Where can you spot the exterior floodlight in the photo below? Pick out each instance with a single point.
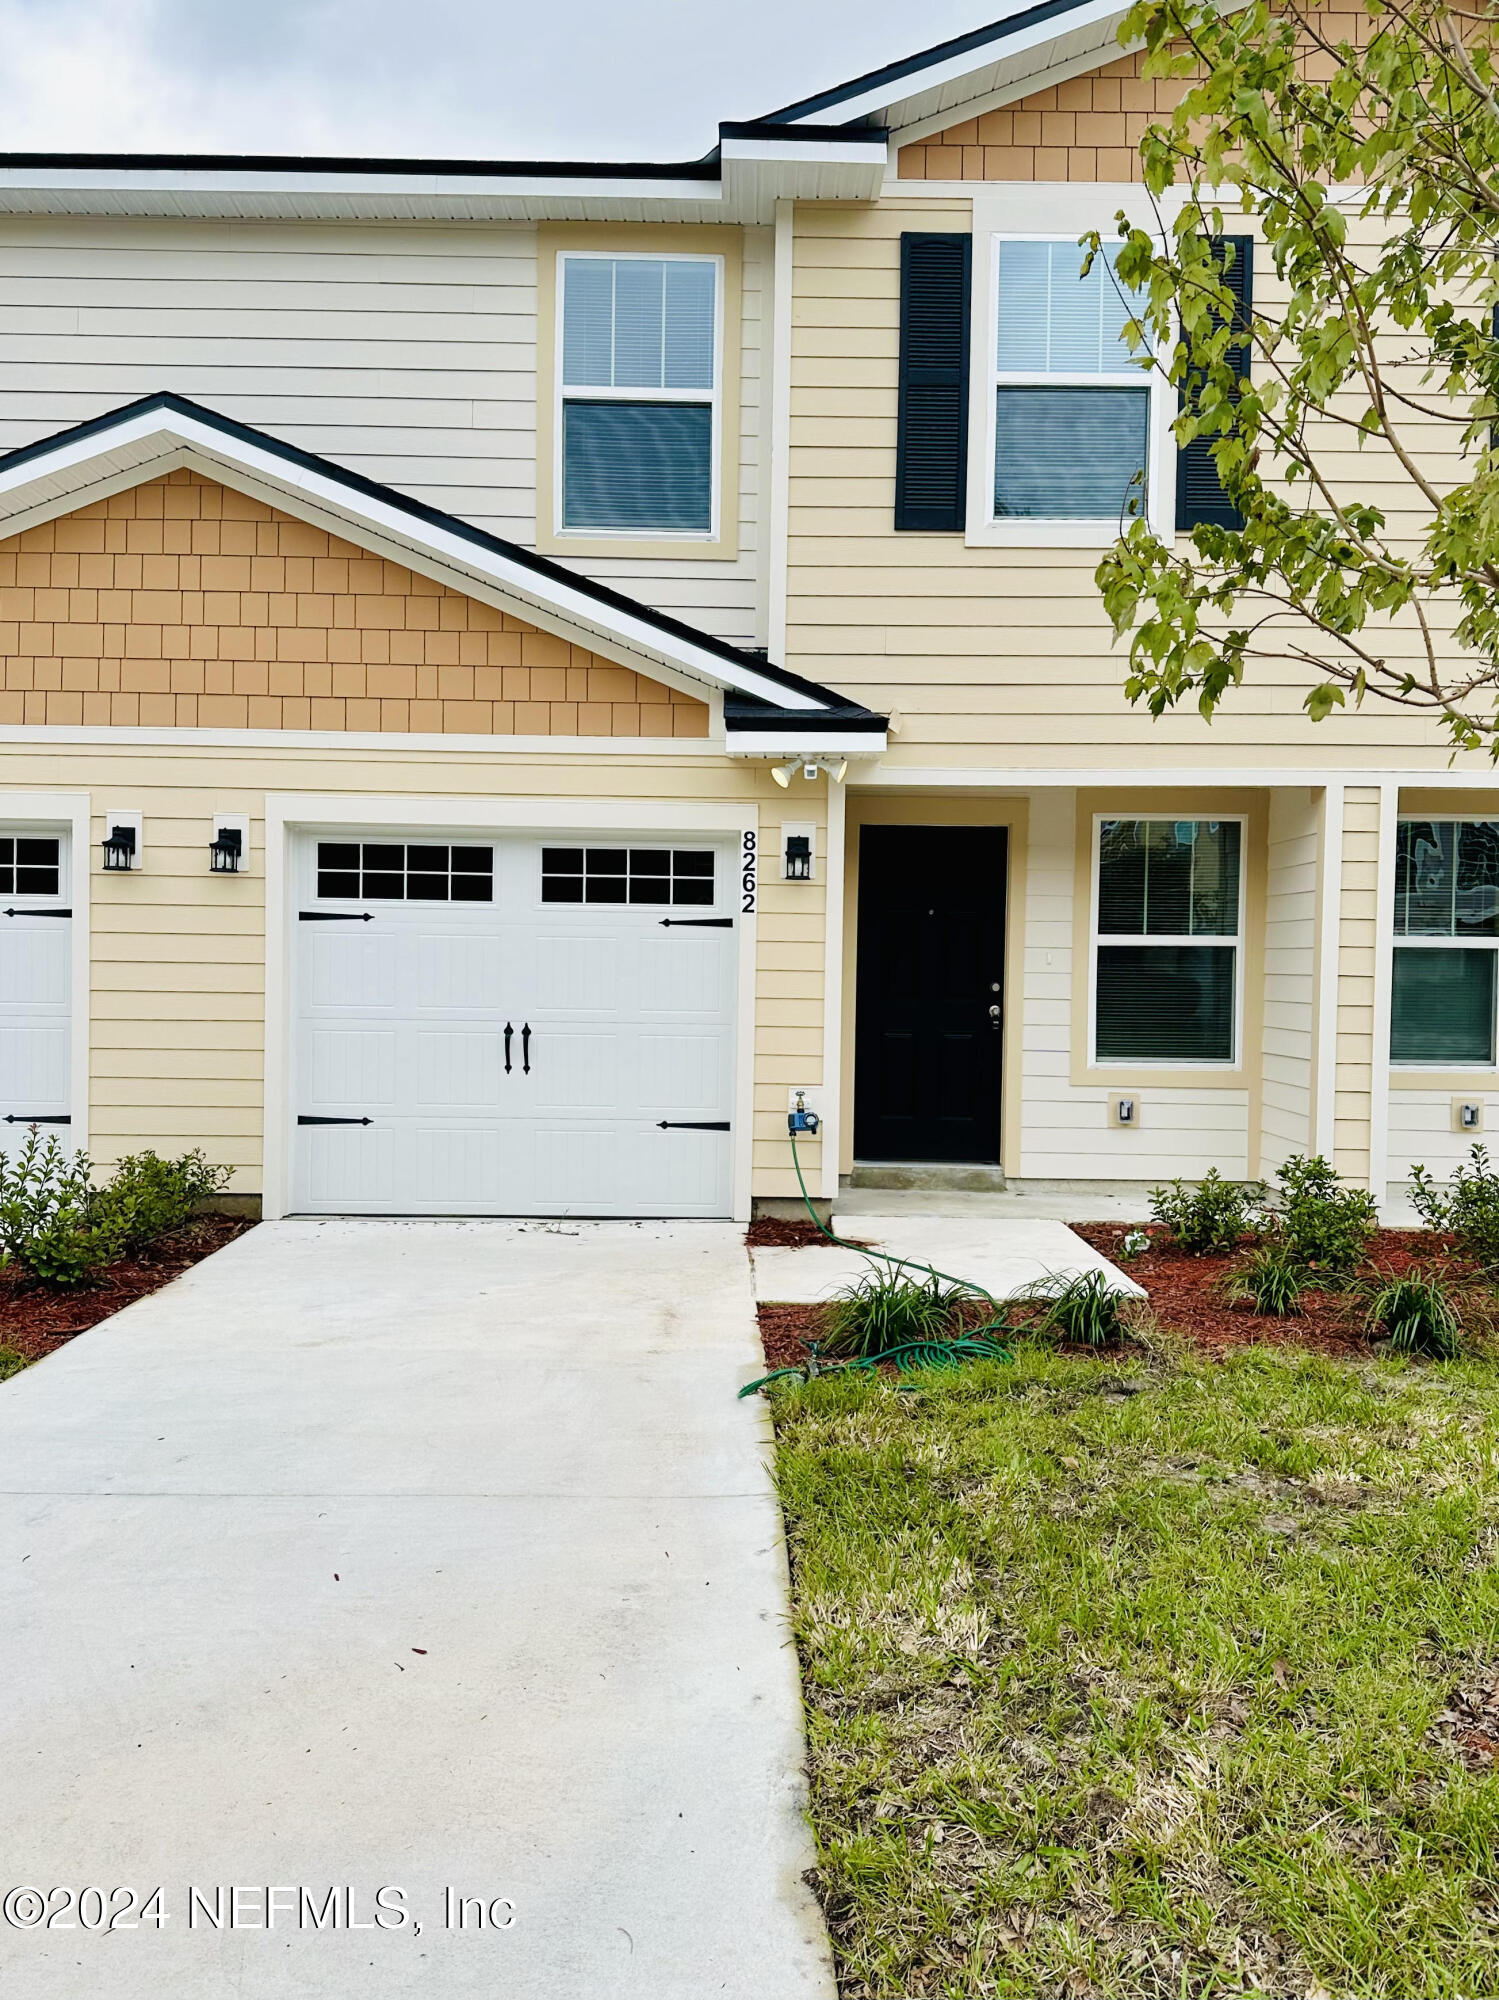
(782, 773)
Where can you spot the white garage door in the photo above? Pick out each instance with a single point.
(513, 1027)
(35, 986)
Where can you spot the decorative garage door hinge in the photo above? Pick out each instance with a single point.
(302, 1119)
(38, 1118)
(697, 923)
(336, 916)
(692, 1124)
(39, 913)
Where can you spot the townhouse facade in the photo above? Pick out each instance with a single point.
(514, 674)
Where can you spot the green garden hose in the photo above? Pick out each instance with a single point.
(911, 1354)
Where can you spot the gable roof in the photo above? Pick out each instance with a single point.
(940, 84)
(142, 440)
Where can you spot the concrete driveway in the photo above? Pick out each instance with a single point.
(434, 1564)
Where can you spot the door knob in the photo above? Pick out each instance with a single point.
(994, 1018)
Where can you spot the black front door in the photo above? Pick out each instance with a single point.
(930, 993)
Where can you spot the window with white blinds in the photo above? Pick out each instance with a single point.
(639, 370)
(1168, 935)
(1443, 984)
(1071, 403)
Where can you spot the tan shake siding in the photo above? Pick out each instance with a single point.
(1353, 1099)
(178, 955)
(184, 603)
(1087, 129)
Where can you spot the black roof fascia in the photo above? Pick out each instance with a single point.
(777, 128)
(743, 713)
(272, 163)
(897, 72)
(372, 489)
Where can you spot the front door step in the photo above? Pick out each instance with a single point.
(938, 1174)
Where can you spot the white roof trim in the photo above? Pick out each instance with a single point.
(76, 471)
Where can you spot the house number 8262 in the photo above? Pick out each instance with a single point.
(747, 875)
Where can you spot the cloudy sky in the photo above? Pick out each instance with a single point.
(518, 78)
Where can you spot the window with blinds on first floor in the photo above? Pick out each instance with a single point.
(1168, 928)
(1442, 989)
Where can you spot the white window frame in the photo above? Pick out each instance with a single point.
(1399, 941)
(594, 394)
(1236, 943)
(1011, 217)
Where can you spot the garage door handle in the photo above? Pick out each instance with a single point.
(509, 1031)
(525, 1049)
(335, 916)
(692, 1125)
(39, 913)
(38, 1118)
(697, 923)
(303, 1120)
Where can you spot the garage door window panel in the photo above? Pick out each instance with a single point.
(1443, 976)
(404, 872)
(634, 875)
(30, 865)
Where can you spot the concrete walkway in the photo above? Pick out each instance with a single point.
(435, 1559)
(1002, 1254)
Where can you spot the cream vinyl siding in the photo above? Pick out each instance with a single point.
(405, 352)
(1065, 1132)
(1421, 1131)
(1354, 1055)
(1290, 975)
(992, 656)
(178, 956)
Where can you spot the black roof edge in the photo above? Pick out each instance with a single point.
(373, 489)
(262, 163)
(743, 712)
(774, 128)
(895, 72)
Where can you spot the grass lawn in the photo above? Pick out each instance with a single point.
(1152, 1676)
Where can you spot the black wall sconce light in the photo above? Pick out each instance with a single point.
(226, 850)
(798, 853)
(121, 846)
(230, 847)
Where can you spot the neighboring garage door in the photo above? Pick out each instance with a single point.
(36, 956)
(514, 1027)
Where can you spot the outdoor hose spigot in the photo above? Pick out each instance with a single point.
(800, 1119)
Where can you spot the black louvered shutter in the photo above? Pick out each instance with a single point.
(931, 439)
(1199, 492)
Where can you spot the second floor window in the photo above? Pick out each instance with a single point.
(1071, 404)
(640, 395)
(1447, 931)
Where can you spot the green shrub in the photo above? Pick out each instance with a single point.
(148, 1196)
(1417, 1315)
(1210, 1218)
(58, 1225)
(889, 1308)
(1272, 1279)
(1086, 1309)
(48, 1219)
(11, 1363)
(1467, 1208)
(1322, 1223)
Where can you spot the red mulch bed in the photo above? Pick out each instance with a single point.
(37, 1318)
(1186, 1292)
(1186, 1296)
(768, 1232)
